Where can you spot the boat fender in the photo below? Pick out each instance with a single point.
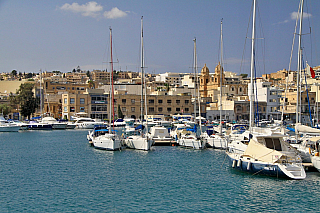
(239, 163)
(233, 163)
(249, 165)
(309, 150)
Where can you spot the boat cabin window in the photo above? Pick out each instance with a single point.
(273, 143)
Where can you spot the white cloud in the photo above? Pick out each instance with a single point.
(91, 8)
(114, 13)
(295, 14)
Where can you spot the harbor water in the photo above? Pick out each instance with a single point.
(58, 171)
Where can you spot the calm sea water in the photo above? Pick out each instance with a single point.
(57, 171)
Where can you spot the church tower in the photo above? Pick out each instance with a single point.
(218, 72)
(204, 80)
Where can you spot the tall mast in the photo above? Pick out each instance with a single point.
(195, 78)
(221, 67)
(41, 101)
(252, 65)
(142, 73)
(111, 115)
(298, 108)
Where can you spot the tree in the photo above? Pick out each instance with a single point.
(244, 75)
(25, 98)
(120, 114)
(14, 73)
(5, 109)
(91, 84)
(88, 74)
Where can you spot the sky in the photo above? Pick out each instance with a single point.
(62, 35)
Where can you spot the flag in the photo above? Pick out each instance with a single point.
(310, 71)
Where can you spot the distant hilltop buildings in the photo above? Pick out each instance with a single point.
(66, 95)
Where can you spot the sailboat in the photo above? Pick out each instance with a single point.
(188, 138)
(101, 139)
(267, 152)
(218, 141)
(142, 141)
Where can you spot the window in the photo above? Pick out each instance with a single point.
(71, 100)
(133, 109)
(178, 109)
(186, 109)
(81, 109)
(81, 100)
(273, 143)
(151, 101)
(159, 101)
(178, 101)
(65, 100)
(72, 109)
(124, 109)
(160, 109)
(186, 101)
(169, 109)
(168, 101)
(151, 109)
(133, 101)
(65, 109)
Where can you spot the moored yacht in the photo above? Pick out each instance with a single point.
(55, 124)
(6, 126)
(269, 155)
(86, 123)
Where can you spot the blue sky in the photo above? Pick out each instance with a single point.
(63, 34)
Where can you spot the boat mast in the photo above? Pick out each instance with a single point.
(142, 73)
(221, 67)
(252, 65)
(111, 85)
(298, 114)
(195, 78)
(41, 101)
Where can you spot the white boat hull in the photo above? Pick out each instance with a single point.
(9, 128)
(138, 142)
(250, 165)
(191, 143)
(106, 142)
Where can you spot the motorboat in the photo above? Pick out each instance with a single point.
(6, 126)
(55, 124)
(34, 125)
(160, 134)
(86, 123)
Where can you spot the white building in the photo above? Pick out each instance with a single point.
(269, 94)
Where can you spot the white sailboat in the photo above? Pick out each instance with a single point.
(218, 141)
(188, 138)
(100, 139)
(142, 141)
(267, 153)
